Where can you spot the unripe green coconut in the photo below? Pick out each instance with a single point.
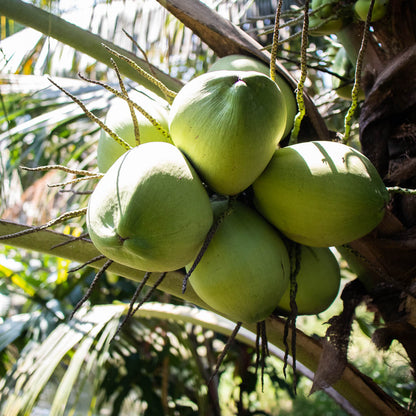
(239, 63)
(361, 8)
(150, 211)
(345, 68)
(321, 193)
(228, 124)
(318, 281)
(325, 21)
(246, 63)
(359, 266)
(119, 120)
(245, 269)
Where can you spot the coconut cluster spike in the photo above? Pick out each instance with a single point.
(157, 203)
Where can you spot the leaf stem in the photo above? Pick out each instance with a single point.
(303, 73)
(357, 77)
(400, 190)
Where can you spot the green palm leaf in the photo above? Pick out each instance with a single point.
(13, 327)
(89, 336)
(34, 369)
(108, 317)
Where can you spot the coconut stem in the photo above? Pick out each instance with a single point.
(131, 107)
(290, 324)
(262, 349)
(168, 93)
(400, 190)
(60, 167)
(61, 218)
(357, 76)
(107, 264)
(275, 41)
(207, 240)
(93, 260)
(130, 311)
(125, 97)
(295, 21)
(152, 289)
(93, 117)
(83, 236)
(303, 73)
(76, 180)
(224, 351)
(143, 52)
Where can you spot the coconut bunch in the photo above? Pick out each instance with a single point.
(221, 199)
(328, 17)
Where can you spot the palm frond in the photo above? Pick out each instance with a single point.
(82, 356)
(34, 369)
(13, 327)
(147, 22)
(84, 344)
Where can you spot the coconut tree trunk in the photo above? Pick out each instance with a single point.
(388, 138)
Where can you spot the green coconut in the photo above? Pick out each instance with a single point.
(359, 266)
(321, 193)
(150, 211)
(246, 63)
(245, 269)
(361, 8)
(228, 124)
(345, 68)
(325, 21)
(318, 281)
(119, 120)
